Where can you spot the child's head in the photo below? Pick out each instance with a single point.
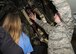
(12, 24)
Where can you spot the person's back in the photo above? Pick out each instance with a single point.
(7, 45)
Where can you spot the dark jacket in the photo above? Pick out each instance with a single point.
(7, 45)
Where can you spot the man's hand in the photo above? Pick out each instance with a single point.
(57, 19)
(32, 16)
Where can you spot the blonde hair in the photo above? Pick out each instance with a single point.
(12, 24)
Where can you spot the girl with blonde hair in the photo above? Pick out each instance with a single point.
(12, 24)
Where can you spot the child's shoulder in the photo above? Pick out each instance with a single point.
(24, 36)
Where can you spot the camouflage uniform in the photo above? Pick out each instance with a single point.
(61, 34)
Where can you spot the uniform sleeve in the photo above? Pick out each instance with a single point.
(46, 26)
(65, 13)
(60, 37)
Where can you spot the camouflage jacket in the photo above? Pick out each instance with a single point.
(61, 34)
